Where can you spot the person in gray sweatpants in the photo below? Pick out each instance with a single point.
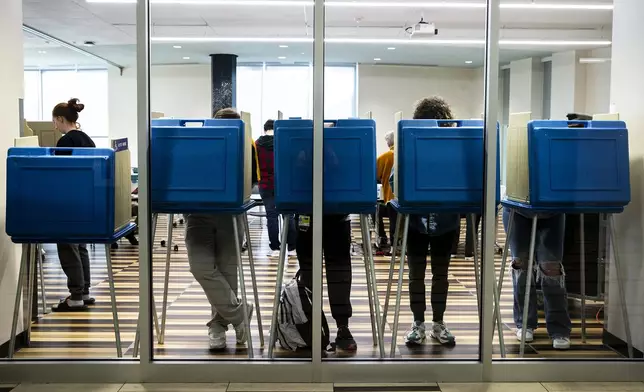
(213, 262)
(74, 261)
(212, 255)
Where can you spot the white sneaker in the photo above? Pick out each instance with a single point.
(292, 253)
(217, 337)
(241, 333)
(529, 335)
(561, 343)
(273, 254)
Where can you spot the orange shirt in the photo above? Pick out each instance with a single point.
(384, 164)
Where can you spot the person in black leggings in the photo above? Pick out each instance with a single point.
(336, 242)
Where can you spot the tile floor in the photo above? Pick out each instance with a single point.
(246, 387)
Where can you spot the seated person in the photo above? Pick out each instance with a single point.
(436, 231)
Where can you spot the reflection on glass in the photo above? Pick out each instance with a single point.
(248, 73)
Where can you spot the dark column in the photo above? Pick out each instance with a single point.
(224, 81)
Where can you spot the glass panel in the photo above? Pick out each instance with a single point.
(254, 59)
(570, 178)
(67, 308)
(413, 64)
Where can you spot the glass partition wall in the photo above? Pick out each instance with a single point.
(363, 97)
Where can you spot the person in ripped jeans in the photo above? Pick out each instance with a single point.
(549, 272)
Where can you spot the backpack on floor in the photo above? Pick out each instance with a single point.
(294, 323)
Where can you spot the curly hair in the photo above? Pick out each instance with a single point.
(433, 108)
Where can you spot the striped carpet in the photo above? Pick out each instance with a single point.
(90, 334)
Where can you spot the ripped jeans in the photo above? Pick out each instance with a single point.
(548, 270)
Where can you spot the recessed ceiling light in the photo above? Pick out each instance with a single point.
(469, 62)
(283, 46)
(177, 46)
(377, 59)
(302, 52)
(42, 51)
(282, 58)
(186, 58)
(391, 48)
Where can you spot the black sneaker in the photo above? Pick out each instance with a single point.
(344, 341)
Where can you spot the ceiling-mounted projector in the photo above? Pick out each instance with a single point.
(423, 29)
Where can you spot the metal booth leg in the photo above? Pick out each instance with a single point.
(497, 289)
(372, 284)
(366, 243)
(115, 316)
(622, 294)
(137, 337)
(41, 274)
(401, 272)
(528, 286)
(16, 306)
(394, 249)
(166, 280)
(31, 286)
(582, 261)
(279, 279)
(242, 287)
(477, 277)
(251, 262)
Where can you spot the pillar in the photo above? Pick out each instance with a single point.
(11, 80)
(568, 86)
(627, 96)
(526, 87)
(224, 81)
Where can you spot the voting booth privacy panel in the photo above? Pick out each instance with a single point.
(199, 165)
(62, 194)
(440, 163)
(574, 163)
(349, 166)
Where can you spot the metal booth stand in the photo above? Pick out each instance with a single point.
(457, 191)
(64, 225)
(539, 191)
(290, 199)
(198, 139)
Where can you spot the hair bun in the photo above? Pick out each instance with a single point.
(75, 105)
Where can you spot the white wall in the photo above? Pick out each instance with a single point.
(184, 91)
(385, 90)
(568, 94)
(627, 95)
(11, 80)
(175, 90)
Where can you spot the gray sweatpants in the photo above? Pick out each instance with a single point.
(213, 262)
(74, 260)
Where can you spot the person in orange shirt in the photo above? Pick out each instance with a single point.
(384, 164)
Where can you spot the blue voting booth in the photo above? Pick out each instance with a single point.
(439, 166)
(78, 206)
(573, 167)
(79, 203)
(203, 166)
(349, 166)
(578, 165)
(199, 165)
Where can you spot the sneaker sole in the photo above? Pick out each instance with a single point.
(566, 347)
(415, 342)
(218, 348)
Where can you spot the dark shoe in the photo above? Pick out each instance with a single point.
(87, 300)
(67, 306)
(344, 341)
(115, 245)
(132, 239)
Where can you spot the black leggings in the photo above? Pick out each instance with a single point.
(440, 252)
(336, 242)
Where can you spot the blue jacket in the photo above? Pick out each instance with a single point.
(434, 224)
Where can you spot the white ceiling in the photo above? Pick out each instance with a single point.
(112, 27)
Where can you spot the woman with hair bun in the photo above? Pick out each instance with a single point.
(74, 258)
